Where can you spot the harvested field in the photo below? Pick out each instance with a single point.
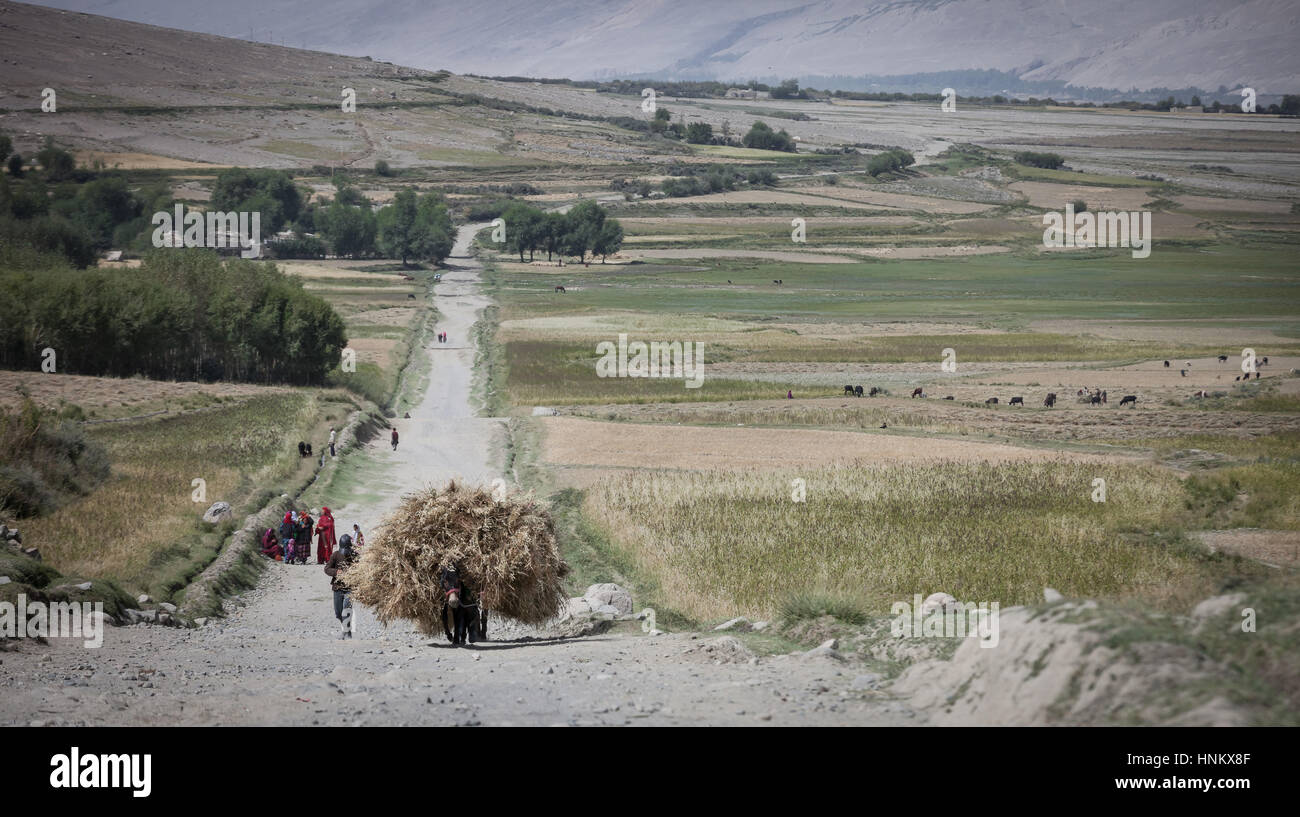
(1067, 422)
(107, 397)
(586, 450)
(1211, 204)
(1055, 196)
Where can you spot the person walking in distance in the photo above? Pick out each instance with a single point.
(338, 564)
(394, 439)
(333, 437)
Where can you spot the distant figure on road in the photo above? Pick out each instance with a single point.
(789, 394)
(333, 437)
(394, 439)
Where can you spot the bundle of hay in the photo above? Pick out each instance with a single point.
(506, 550)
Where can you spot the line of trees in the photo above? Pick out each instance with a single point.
(412, 228)
(584, 230)
(183, 315)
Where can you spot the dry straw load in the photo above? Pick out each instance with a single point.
(505, 549)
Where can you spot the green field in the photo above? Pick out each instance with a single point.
(1002, 290)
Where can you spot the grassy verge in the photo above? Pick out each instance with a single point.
(143, 526)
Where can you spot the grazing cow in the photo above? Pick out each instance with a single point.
(409, 295)
(560, 289)
(857, 391)
(917, 392)
(467, 616)
(1166, 364)
(777, 281)
(1095, 399)
(848, 390)
(1050, 400)
(1223, 358)
(949, 397)
(728, 280)
(1237, 379)
(1202, 393)
(1129, 398)
(992, 400)
(1017, 401)
(874, 391)
(304, 449)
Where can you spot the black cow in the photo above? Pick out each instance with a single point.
(874, 391)
(848, 390)
(1223, 358)
(1166, 364)
(304, 449)
(917, 392)
(1050, 400)
(992, 400)
(1017, 401)
(560, 289)
(469, 619)
(857, 391)
(1129, 398)
(949, 397)
(1095, 399)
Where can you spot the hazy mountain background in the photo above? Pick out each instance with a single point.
(1118, 44)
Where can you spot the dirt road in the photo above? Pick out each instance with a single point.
(276, 660)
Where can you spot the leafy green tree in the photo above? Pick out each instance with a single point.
(351, 231)
(398, 237)
(382, 168)
(699, 133)
(583, 223)
(762, 137)
(415, 228)
(15, 165)
(269, 192)
(608, 240)
(57, 163)
(524, 229)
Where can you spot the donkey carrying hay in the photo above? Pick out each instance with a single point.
(505, 550)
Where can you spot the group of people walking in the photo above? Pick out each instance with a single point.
(292, 542)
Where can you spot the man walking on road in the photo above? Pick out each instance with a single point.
(394, 439)
(333, 436)
(339, 562)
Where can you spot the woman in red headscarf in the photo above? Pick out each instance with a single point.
(324, 536)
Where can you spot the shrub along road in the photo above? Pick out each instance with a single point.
(275, 659)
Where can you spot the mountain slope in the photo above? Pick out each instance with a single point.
(1108, 43)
